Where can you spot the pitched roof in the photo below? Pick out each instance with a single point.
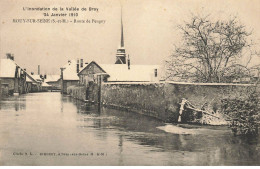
(93, 62)
(120, 72)
(52, 78)
(44, 84)
(29, 78)
(7, 68)
(36, 77)
(70, 71)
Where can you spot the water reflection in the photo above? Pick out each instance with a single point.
(14, 103)
(55, 123)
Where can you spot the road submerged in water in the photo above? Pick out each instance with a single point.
(51, 129)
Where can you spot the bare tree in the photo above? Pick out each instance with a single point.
(208, 50)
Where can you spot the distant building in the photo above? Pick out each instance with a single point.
(39, 81)
(31, 84)
(12, 76)
(119, 73)
(38, 78)
(53, 81)
(69, 74)
(8, 77)
(46, 87)
(15, 79)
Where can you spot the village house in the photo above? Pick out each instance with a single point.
(12, 76)
(53, 81)
(15, 79)
(31, 84)
(119, 73)
(39, 80)
(69, 74)
(46, 87)
(9, 82)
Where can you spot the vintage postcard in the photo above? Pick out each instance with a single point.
(129, 82)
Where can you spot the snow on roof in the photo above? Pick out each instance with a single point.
(120, 72)
(52, 78)
(44, 84)
(36, 77)
(70, 71)
(29, 78)
(7, 68)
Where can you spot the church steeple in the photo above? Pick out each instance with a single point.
(122, 32)
(120, 54)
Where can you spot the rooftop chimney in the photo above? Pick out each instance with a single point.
(155, 73)
(77, 65)
(39, 72)
(128, 63)
(10, 56)
(81, 63)
(61, 74)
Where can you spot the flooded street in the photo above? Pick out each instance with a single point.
(51, 129)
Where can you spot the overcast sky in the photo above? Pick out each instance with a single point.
(149, 29)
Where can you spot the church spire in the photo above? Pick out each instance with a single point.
(122, 31)
(120, 54)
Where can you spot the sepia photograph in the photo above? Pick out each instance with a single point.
(129, 83)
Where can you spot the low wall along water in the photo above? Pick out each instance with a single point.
(159, 100)
(77, 92)
(148, 99)
(162, 100)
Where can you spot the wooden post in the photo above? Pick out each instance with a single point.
(61, 80)
(181, 109)
(0, 90)
(99, 92)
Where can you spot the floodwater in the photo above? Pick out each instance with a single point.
(51, 129)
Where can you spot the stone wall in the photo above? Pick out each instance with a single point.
(162, 100)
(67, 83)
(146, 98)
(85, 93)
(77, 92)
